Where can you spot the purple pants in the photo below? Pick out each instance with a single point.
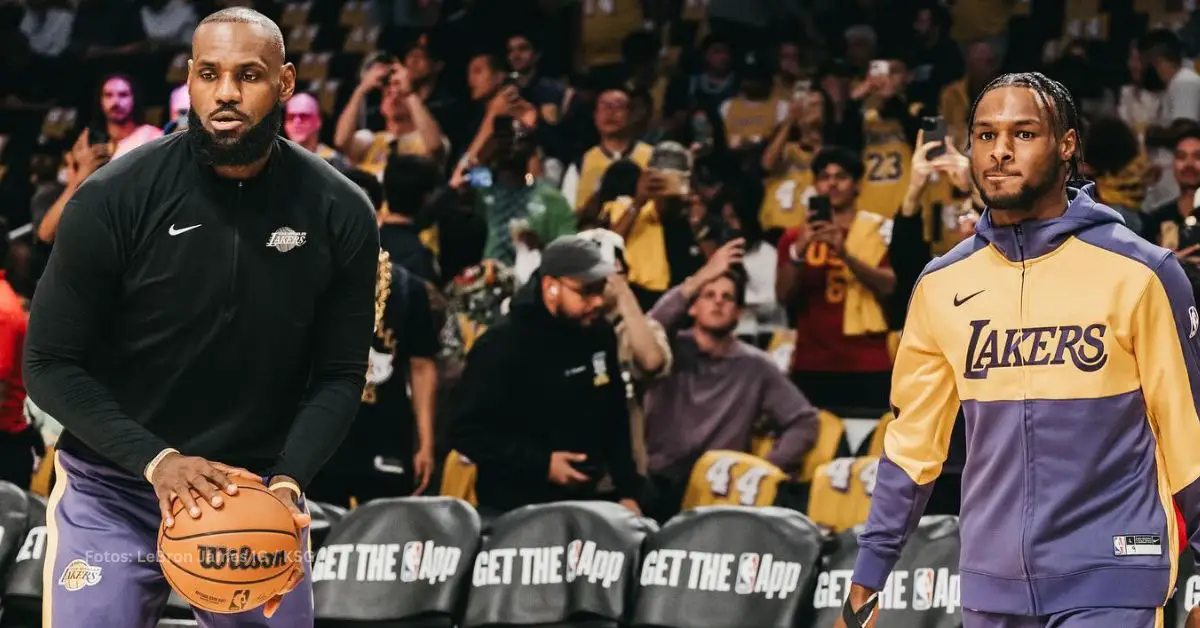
(1080, 618)
(109, 520)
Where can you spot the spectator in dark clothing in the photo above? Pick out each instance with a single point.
(107, 27)
(408, 183)
(1164, 225)
(550, 96)
(936, 60)
(553, 357)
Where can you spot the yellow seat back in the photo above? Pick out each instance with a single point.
(458, 478)
(732, 478)
(830, 434)
(840, 496)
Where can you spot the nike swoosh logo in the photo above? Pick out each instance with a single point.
(174, 232)
(958, 301)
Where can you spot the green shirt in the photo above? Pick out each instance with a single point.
(538, 208)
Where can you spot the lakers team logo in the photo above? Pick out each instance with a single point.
(285, 239)
(991, 348)
(600, 368)
(79, 574)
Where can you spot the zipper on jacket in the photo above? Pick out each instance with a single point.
(1027, 505)
(231, 297)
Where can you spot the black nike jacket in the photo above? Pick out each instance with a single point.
(227, 319)
(535, 384)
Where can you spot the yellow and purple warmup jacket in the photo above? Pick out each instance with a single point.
(1071, 345)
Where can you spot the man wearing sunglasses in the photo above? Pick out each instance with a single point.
(541, 405)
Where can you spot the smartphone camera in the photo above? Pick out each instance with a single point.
(479, 177)
(934, 129)
(880, 67)
(820, 209)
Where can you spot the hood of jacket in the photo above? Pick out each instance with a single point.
(1033, 238)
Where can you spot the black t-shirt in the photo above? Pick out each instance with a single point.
(403, 244)
(1154, 219)
(385, 423)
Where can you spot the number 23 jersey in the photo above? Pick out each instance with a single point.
(887, 159)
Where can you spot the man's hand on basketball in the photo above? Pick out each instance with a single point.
(302, 519)
(178, 475)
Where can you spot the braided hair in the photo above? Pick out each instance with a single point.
(1054, 98)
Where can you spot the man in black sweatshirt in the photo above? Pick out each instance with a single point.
(542, 408)
(208, 306)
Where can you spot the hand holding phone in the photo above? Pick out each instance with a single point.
(934, 130)
(819, 209)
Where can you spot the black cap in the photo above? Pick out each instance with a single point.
(576, 258)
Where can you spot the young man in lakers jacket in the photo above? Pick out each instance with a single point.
(1071, 345)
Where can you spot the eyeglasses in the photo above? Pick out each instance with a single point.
(594, 289)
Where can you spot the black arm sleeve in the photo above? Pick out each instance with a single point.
(908, 253)
(77, 293)
(486, 425)
(345, 322)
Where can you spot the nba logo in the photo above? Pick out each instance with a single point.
(574, 549)
(1118, 546)
(410, 561)
(747, 574)
(922, 589)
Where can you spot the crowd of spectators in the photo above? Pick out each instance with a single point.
(630, 231)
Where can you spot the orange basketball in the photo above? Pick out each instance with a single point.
(234, 558)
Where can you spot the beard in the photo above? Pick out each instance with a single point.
(1026, 196)
(225, 148)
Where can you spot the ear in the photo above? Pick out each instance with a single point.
(1068, 147)
(287, 82)
(692, 309)
(549, 288)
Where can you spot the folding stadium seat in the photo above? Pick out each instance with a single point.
(294, 14)
(830, 444)
(354, 13)
(361, 39)
(313, 66)
(922, 591)
(874, 445)
(177, 69)
(780, 348)
(14, 522)
(326, 93)
(728, 566)
(458, 478)
(840, 497)
(23, 582)
(300, 38)
(560, 565)
(324, 518)
(58, 123)
(396, 563)
(723, 477)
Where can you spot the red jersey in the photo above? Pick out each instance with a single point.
(821, 345)
(13, 320)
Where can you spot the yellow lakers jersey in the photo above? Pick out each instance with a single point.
(955, 106)
(785, 195)
(941, 208)
(887, 158)
(732, 478)
(375, 158)
(840, 497)
(749, 120)
(606, 24)
(596, 161)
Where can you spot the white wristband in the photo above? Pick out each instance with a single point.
(292, 486)
(149, 472)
